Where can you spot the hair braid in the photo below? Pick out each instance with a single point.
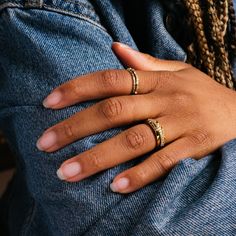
(202, 46)
(232, 21)
(213, 42)
(223, 14)
(218, 19)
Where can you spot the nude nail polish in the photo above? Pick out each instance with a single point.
(69, 170)
(120, 184)
(53, 99)
(46, 141)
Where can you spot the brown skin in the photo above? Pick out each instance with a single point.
(198, 116)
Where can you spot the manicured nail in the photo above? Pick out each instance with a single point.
(69, 170)
(119, 185)
(52, 99)
(123, 45)
(46, 141)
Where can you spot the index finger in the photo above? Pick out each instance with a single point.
(102, 84)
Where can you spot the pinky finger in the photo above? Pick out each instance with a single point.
(154, 167)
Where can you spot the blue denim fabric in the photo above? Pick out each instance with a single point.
(44, 43)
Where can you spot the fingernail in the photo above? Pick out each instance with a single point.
(120, 184)
(52, 99)
(123, 45)
(69, 170)
(47, 140)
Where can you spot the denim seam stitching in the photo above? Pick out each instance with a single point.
(90, 8)
(58, 10)
(9, 4)
(77, 15)
(80, 4)
(38, 4)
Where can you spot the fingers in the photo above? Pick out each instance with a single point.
(104, 115)
(114, 82)
(156, 166)
(91, 86)
(103, 84)
(126, 146)
(142, 61)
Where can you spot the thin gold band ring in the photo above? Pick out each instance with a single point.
(135, 79)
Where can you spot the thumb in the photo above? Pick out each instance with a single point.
(142, 61)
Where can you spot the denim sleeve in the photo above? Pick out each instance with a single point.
(44, 44)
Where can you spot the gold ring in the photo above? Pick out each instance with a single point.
(135, 79)
(158, 131)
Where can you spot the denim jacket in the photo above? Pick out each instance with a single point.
(44, 43)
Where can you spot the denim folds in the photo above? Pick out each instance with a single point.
(46, 43)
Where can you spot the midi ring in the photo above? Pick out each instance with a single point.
(135, 79)
(158, 131)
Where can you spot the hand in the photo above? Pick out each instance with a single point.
(197, 114)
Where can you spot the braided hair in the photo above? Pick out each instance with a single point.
(207, 32)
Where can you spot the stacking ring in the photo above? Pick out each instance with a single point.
(158, 131)
(135, 79)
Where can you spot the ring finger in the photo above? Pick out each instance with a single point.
(126, 146)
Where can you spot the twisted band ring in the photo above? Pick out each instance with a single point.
(158, 131)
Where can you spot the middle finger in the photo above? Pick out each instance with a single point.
(104, 115)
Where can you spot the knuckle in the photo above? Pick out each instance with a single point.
(164, 162)
(164, 78)
(151, 58)
(140, 176)
(199, 137)
(110, 79)
(111, 108)
(181, 99)
(73, 86)
(95, 160)
(135, 139)
(68, 131)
